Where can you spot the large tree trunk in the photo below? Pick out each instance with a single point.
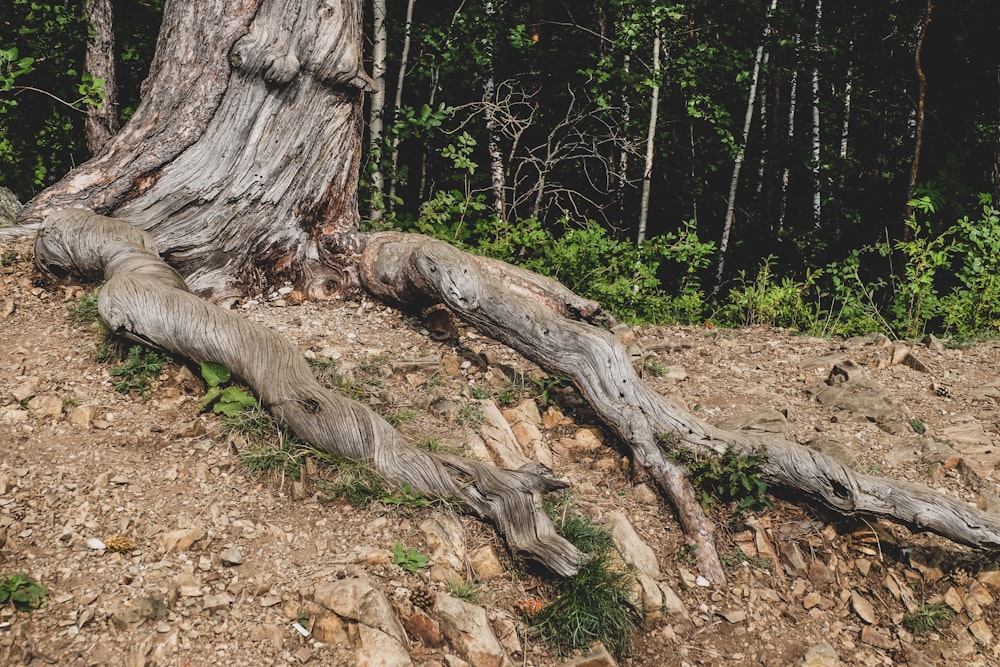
(257, 182)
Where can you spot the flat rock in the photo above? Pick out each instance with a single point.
(182, 539)
(468, 632)
(358, 599)
(378, 649)
(597, 657)
(445, 535)
(820, 655)
(485, 563)
(633, 549)
(862, 607)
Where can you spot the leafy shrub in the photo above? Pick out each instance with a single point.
(23, 592)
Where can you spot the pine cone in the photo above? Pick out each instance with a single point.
(422, 597)
(119, 543)
(960, 576)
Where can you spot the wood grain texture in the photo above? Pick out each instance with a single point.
(147, 301)
(409, 268)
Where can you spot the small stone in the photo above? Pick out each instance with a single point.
(876, 638)
(954, 600)
(598, 657)
(862, 607)
(95, 543)
(811, 600)
(191, 429)
(485, 563)
(424, 629)
(83, 415)
(231, 557)
(270, 600)
(304, 654)
(645, 495)
(48, 405)
(180, 540)
(734, 615)
(820, 655)
(981, 632)
(215, 602)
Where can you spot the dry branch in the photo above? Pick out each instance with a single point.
(408, 267)
(147, 301)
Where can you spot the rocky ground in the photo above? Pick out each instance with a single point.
(160, 547)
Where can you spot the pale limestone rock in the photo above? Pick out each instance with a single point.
(445, 536)
(499, 439)
(46, 405)
(83, 415)
(378, 649)
(469, 633)
(633, 549)
(182, 539)
(358, 599)
(821, 655)
(485, 563)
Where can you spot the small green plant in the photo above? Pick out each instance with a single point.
(548, 384)
(687, 555)
(469, 591)
(470, 414)
(228, 401)
(729, 478)
(918, 426)
(405, 497)
(928, 617)
(430, 444)
(480, 392)
(138, 370)
(354, 481)
(84, 311)
(401, 417)
(596, 604)
(23, 592)
(654, 367)
(410, 560)
(735, 558)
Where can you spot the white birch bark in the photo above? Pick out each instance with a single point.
(786, 172)
(817, 200)
(404, 60)
(375, 117)
(497, 185)
(647, 172)
(846, 126)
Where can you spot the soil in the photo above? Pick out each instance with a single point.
(82, 462)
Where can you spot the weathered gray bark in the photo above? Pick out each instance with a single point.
(147, 301)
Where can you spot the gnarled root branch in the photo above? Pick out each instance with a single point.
(147, 301)
(405, 268)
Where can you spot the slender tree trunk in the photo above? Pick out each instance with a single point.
(624, 151)
(786, 171)
(375, 118)
(817, 198)
(740, 154)
(845, 127)
(102, 121)
(918, 130)
(647, 172)
(404, 60)
(497, 184)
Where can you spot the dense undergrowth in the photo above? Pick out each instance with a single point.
(943, 279)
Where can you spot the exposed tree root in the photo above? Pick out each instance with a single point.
(147, 301)
(407, 268)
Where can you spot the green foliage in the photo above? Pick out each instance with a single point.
(405, 497)
(729, 478)
(84, 311)
(354, 481)
(23, 592)
(469, 591)
(771, 301)
(410, 560)
(928, 617)
(139, 368)
(918, 426)
(470, 414)
(228, 401)
(596, 604)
